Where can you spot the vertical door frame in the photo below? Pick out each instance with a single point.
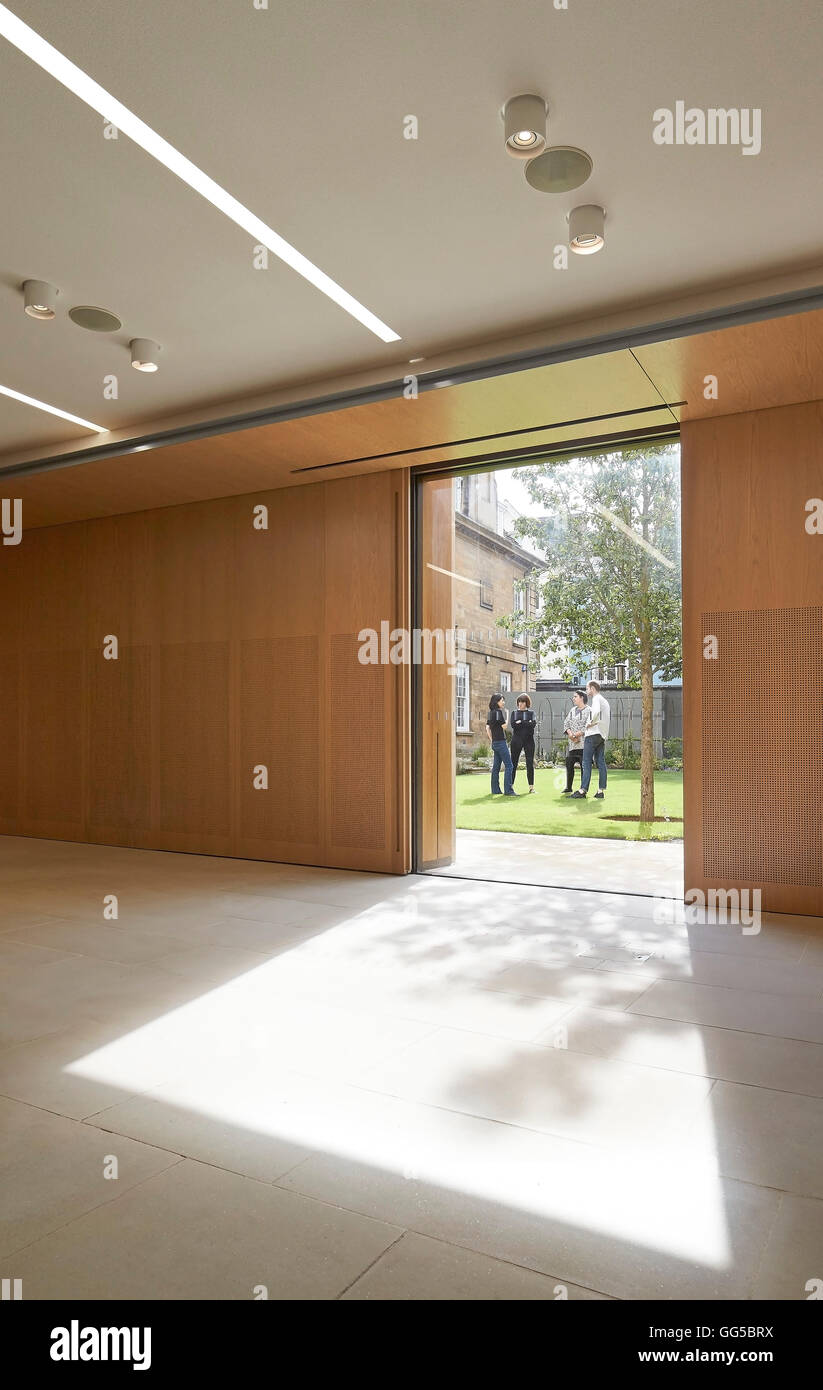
(419, 477)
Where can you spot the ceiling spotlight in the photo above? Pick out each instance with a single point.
(587, 229)
(525, 121)
(40, 299)
(52, 61)
(144, 354)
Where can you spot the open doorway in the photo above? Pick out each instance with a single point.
(557, 586)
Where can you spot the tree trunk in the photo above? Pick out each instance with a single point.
(646, 733)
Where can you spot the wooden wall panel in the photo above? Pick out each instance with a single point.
(237, 647)
(52, 584)
(52, 701)
(436, 790)
(281, 726)
(364, 582)
(118, 698)
(191, 803)
(10, 753)
(360, 739)
(774, 362)
(10, 677)
(753, 718)
(118, 802)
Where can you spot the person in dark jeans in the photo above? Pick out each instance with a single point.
(496, 730)
(523, 726)
(575, 727)
(594, 743)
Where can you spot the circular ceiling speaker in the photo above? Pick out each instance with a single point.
(559, 169)
(95, 320)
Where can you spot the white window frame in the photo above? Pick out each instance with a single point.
(506, 676)
(463, 669)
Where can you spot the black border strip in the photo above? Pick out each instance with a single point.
(589, 444)
(775, 306)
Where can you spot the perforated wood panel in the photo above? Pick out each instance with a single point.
(191, 737)
(53, 756)
(762, 735)
(119, 741)
(357, 747)
(281, 727)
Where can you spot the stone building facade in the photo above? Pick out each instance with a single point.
(493, 581)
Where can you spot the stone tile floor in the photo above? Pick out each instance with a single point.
(343, 1085)
(564, 861)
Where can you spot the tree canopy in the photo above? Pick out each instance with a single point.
(610, 532)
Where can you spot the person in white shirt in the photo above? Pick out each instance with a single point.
(594, 743)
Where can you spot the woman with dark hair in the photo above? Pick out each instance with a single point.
(523, 726)
(496, 730)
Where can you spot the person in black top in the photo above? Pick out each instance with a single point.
(496, 730)
(523, 726)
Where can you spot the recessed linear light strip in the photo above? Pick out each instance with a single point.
(95, 96)
(52, 410)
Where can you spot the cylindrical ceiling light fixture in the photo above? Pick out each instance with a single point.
(144, 354)
(524, 118)
(587, 229)
(39, 299)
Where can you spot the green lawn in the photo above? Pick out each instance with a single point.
(549, 813)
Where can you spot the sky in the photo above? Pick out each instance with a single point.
(509, 489)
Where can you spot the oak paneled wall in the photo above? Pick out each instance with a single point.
(237, 648)
(753, 715)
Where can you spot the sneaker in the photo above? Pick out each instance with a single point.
(579, 796)
(511, 793)
(567, 792)
(531, 791)
(598, 796)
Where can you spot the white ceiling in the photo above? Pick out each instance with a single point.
(298, 111)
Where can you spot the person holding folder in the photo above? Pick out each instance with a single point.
(523, 727)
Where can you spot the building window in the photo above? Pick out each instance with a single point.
(462, 693)
(520, 600)
(463, 495)
(486, 594)
(505, 681)
(610, 675)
